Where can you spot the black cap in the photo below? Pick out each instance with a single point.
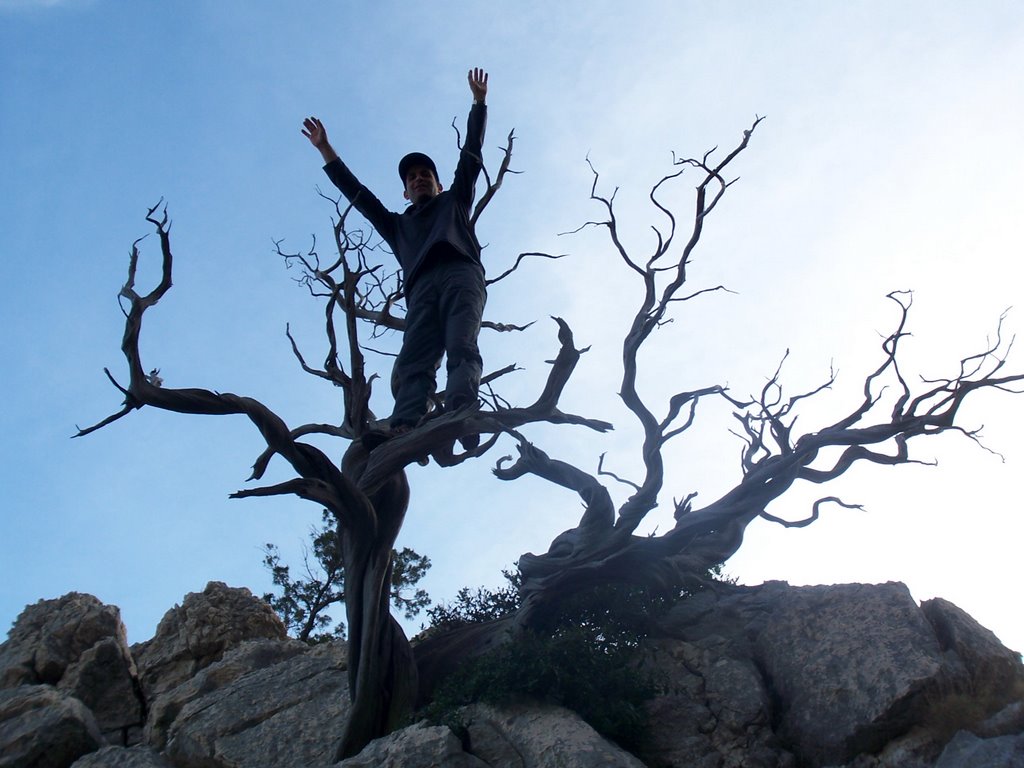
(415, 158)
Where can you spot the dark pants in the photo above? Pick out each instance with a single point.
(445, 307)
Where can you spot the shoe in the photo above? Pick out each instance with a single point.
(470, 442)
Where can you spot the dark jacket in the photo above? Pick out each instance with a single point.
(444, 219)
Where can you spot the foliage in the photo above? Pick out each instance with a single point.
(481, 605)
(587, 657)
(303, 601)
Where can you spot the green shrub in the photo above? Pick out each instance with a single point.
(586, 657)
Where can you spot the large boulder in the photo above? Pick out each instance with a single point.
(41, 727)
(52, 634)
(122, 757)
(855, 675)
(249, 657)
(714, 712)
(103, 678)
(418, 746)
(79, 645)
(287, 710)
(968, 751)
(524, 735)
(988, 666)
(850, 665)
(197, 633)
(539, 736)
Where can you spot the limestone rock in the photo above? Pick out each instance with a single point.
(287, 714)
(539, 736)
(49, 636)
(855, 675)
(916, 749)
(244, 659)
(516, 736)
(968, 751)
(1006, 721)
(103, 678)
(120, 757)
(41, 727)
(715, 710)
(198, 632)
(849, 664)
(990, 666)
(418, 746)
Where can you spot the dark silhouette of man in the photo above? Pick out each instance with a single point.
(437, 249)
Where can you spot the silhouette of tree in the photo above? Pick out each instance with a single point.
(368, 493)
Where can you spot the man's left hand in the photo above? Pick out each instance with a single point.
(478, 84)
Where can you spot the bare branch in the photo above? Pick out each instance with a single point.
(519, 259)
(493, 187)
(814, 513)
(601, 471)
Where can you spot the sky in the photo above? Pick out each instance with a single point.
(889, 159)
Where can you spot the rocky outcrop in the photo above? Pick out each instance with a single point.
(516, 736)
(40, 726)
(287, 711)
(198, 632)
(852, 675)
(79, 645)
(124, 757)
(968, 751)
(52, 634)
(103, 678)
(774, 676)
(715, 709)
(528, 735)
(419, 746)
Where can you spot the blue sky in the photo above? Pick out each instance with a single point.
(889, 159)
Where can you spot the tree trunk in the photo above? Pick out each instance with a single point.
(382, 673)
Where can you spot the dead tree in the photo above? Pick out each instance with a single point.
(604, 547)
(368, 493)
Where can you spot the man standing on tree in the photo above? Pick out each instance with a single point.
(437, 249)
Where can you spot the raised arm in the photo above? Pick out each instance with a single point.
(314, 130)
(470, 159)
(478, 85)
(362, 199)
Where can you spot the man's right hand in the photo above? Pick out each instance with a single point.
(314, 130)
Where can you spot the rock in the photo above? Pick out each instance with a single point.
(968, 751)
(288, 714)
(49, 636)
(849, 671)
(120, 757)
(753, 677)
(418, 746)
(715, 710)
(989, 665)
(916, 749)
(41, 727)
(103, 678)
(244, 659)
(1006, 721)
(516, 736)
(539, 736)
(849, 664)
(199, 631)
